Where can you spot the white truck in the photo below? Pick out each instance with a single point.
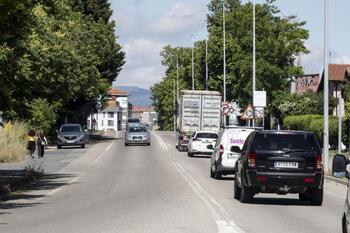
(197, 110)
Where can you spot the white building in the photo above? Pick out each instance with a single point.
(114, 116)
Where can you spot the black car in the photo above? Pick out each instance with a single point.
(279, 162)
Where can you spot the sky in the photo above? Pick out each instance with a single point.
(144, 27)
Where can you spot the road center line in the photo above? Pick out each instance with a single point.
(109, 147)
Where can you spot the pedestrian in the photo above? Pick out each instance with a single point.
(41, 142)
(31, 142)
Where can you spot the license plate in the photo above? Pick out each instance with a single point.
(137, 139)
(280, 164)
(70, 141)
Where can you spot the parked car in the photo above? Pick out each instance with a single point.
(340, 169)
(71, 135)
(223, 160)
(279, 162)
(137, 135)
(199, 141)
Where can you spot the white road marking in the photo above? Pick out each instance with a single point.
(109, 147)
(220, 215)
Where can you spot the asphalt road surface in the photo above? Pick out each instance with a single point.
(108, 187)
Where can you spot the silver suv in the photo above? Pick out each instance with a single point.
(70, 135)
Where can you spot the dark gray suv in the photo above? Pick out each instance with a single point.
(279, 162)
(71, 135)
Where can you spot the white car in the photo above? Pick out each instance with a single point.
(198, 144)
(340, 169)
(223, 159)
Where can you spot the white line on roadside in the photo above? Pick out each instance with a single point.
(222, 218)
(109, 147)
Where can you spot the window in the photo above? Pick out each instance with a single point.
(110, 123)
(104, 115)
(110, 114)
(102, 122)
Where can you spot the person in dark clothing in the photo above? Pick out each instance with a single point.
(31, 142)
(41, 143)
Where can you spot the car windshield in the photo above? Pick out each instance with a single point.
(285, 142)
(207, 135)
(71, 128)
(137, 129)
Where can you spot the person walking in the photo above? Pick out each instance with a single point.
(31, 142)
(41, 142)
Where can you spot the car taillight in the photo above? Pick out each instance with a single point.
(221, 150)
(318, 162)
(252, 160)
(309, 180)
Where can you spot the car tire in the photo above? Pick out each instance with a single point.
(343, 225)
(59, 147)
(148, 144)
(126, 144)
(316, 197)
(212, 173)
(218, 175)
(304, 197)
(246, 194)
(236, 190)
(82, 145)
(189, 154)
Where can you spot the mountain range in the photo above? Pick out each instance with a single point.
(137, 96)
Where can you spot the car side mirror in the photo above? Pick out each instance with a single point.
(210, 147)
(235, 149)
(339, 166)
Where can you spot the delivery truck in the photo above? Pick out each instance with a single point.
(197, 111)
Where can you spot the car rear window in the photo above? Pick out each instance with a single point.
(70, 128)
(207, 135)
(304, 142)
(133, 120)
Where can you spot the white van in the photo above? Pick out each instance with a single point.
(223, 159)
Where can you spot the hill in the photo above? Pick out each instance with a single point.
(137, 96)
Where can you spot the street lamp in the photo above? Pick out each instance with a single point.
(224, 46)
(326, 91)
(254, 55)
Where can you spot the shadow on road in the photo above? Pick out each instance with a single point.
(201, 156)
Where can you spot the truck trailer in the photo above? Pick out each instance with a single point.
(197, 110)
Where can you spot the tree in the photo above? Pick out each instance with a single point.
(279, 41)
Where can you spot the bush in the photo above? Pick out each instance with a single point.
(313, 123)
(13, 142)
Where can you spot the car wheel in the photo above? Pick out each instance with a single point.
(148, 144)
(316, 196)
(344, 225)
(304, 197)
(179, 148)
(82, 145)
(59, 147)
(189, 154)
(126, 144)
(246, 194)
(218, 175)
(212, 173)
(236, 190)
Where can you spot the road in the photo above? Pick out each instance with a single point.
(108, 187)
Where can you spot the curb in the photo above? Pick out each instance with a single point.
(336, 180)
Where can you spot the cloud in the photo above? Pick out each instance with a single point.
(181, 18)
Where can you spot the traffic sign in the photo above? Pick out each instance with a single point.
(225, 108)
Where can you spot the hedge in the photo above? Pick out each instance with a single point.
(314, 123)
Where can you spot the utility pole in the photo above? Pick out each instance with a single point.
(224, 37)
(174, 105)
(206, 64)
(177, 78)
(192, 62)
(254, 73)
(326, 91)
(340, 113)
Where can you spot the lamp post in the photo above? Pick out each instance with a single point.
(192, 62)
(254, 73)
(326, 91)
(224, 46)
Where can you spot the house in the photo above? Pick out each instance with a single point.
(338, 75)
(145, 114)
(114, 116)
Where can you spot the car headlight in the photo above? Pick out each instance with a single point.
(60, 138)
(81, 137)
